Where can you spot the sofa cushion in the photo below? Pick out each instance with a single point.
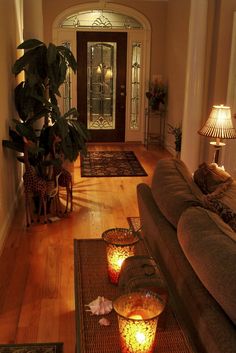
(210, 247)
(173, 189)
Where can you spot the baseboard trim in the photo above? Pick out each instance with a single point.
(10, 216)
(114, 143)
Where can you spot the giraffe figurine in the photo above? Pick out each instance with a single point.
(53, 193)
(33, 185)
(64, 180)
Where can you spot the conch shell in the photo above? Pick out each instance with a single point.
(104, 322)
(100, 306)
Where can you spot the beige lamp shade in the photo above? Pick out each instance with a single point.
(219, 124)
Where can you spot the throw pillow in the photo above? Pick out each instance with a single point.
(212, 179)
(226, 214)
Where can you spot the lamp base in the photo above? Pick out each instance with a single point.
(217, 145)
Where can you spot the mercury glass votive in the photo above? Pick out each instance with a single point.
(120, 244)
(138, 314)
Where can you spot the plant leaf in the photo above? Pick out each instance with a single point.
(39, 115)
(80, 128)
(60, 128)
(30, 43)
(51, 54)
(20, 159)
(73, 111)
(15, 136)
(27, 131)
(19, 147)
(68, 55)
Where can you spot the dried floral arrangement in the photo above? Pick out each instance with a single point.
(157, 95)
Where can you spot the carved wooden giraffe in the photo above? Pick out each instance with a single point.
(64, 180)
(33, 185)
(53, 192)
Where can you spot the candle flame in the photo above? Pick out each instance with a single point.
(140, 337)
(120, 262)
(136, 317)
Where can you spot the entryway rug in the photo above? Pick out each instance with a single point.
(111, 164)
(32, 348)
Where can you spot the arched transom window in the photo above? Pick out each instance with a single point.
(100, 18)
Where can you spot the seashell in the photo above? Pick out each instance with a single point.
(104, 322)
(100, 306)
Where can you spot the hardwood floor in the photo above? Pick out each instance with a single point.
(36, 266)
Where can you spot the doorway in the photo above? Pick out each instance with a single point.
(110, 18)
(101, 84)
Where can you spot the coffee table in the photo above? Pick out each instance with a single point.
(91, 281)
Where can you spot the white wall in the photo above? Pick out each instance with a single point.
(176, 62)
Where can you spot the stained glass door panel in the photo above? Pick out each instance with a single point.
(101, 78)
(101, 85)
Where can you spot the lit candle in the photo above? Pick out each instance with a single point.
(137, 317)
(115, 257)
(119, 245)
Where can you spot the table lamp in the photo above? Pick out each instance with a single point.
(219, 125)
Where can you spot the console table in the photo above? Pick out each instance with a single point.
(91, 281)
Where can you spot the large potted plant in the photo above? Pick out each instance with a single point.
(44, 136)
(36, 101)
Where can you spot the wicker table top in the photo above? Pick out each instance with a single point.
(91, 281)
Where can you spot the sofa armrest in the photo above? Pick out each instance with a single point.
(148, 210)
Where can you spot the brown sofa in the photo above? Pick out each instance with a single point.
(196, 252)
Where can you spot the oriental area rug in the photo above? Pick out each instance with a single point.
(32, 348)
(111, 164)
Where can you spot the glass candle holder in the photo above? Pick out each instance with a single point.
(138, 314)
(120, 244)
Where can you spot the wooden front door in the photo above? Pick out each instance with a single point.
(101, 95)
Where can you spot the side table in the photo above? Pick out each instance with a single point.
(155, 127)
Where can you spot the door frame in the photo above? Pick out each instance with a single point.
(62, 35)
